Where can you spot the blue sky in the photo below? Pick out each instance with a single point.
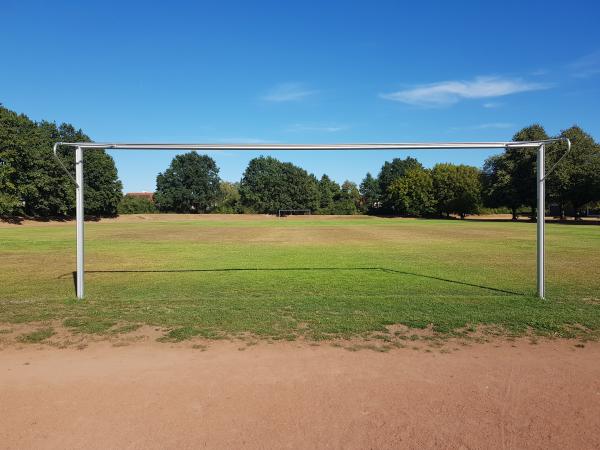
(283, 71)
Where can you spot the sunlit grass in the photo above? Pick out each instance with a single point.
(316, 277)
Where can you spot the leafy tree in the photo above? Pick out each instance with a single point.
(131, 204)
(269, 185)
(36, 183)
(576, 180)
(523, 165)
(412, 193)
(510, 179)
(329, 190)
(457, 189)
(347, 201)
(391, 171)
(10, 203)
(189, 185)
(229, 201)
(102, 188)
(370, 193)
(498, 187)
(42, 188)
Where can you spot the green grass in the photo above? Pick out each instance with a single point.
(36, 336)
(313, 277)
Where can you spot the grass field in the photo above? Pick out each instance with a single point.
(315, 277)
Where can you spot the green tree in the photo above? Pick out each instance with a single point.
(38, 181)
(347, 201)
(457, 189)
(102, 189)
(412, 194)
(576, 180)
(189, 185)
(131, 204)
(42, 188)
(497, 184)
(523, 165)
(229, 200)
(370, 193)
(10, 203)
(329, 190)
(269, 185)
(510, 179)
(391, 171)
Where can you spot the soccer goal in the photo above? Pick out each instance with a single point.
(80, 147)
(293, 212)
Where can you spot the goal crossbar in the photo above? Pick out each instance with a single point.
(539, 145)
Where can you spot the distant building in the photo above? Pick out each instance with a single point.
(146, 195)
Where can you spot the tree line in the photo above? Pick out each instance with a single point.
(33, 184)
(191, 184)
(507, 182)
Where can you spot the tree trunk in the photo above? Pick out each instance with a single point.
(562, 212)
(514, 214)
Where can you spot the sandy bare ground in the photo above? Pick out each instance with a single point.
(290, 395)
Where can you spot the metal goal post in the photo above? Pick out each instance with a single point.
(80, 147)
(287, 212)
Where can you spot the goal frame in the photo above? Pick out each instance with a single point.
(280, 211)
(541, 175)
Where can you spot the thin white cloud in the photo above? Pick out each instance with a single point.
(447, 93)
(586, 66)
(484, 126)
(288, 92)
(299, 127)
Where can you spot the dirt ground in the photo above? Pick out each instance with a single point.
(297, 395)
